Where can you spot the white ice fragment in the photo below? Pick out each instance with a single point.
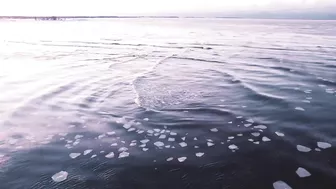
(260, 127)
(266, 139)
(122, 149)
(239, 117)
(279, 134)
(199, 154)
(78, 136)
(76, 142)
(171, 139)
(170, 159)
(248, 125)
(142, 145)
(302, 172)
(133, 144)
(181, 159)
(303, 148)
(255, 134)
(144, 141)
(250, 120)
(110, 155)
(240, 134)
(209, 140)
(196, 147)
(306, 101)
(156, 134)
(183, 138)
(150, 131)
(233, 147)
(195, 138)
(93, 156)
(256, 142)
(159, 144)
(140, 132)
(173, 134)
(101, 136)
(144, 149)
(230, 122)
(114, 144)
(60, 176)
(281, 185)
(168, 146)
(128, 125)
(157, 130)
(299, 109)
(317, 149)
(323, 145)
(163, 131)
(123, 141)
(183, 144)
(231, 137)
(210, 144)
(123, 154)
(86, 152)
(74, 155)
(131, 129)
(162, 136)
(111, 133)
(251, 140)
(146, 119)
(214, 130)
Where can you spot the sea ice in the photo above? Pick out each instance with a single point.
(199, 154)
(266, 139)
(233, 147)
(255, 134)
(171, 139)
(162, 136)
(123, 154)
(183, 144)
(281, 185)
(111, 133)
(159, 144)
(74, 155)
(279, 134)
(299, 109)
(210, 144)
(214, 130)
(302, 172)
(122, 149)
(303, 148)
(110, 155)
(60, 176)
(86, 152)
(144, 141)
(182, 159)
(260, 127)
(323, 145)
(170, 159)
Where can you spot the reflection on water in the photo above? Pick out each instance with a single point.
(170, 103)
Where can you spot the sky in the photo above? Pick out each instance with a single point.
(153, 7)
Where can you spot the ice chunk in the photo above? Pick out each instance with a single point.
(231, 137)
(168, 146)
(255, 134)
(170, 159)
(157, 130)
(123, 154)
(240, 134)
(114, 144)
(299, 109)
(233, 147)
(183, 138)
(133, 144)
(196, 147)
(93, 156)
(159, 144)
(281, 185)
(195, 138)
(183, 144)
(141, 131)
(110, 155)
(144, 141)
(317, 149)
(122, 149)
(214, 130)
(323, 145)
(131, 129)
(111, 133)
(251, 140)
(256, 142)
(101, 136)
(60, 176)
(171, 139)
(266, 139)
(248, 125)
(86, 152)
(199, 154)
(250, 120)
(279, 134)
(162, 136)
(260, 127)
(173, 134)
(144, 149)
(74, 155)
(150, 131)
(182, 159)
(146, 119)
(142, 145)
(303, 148)
(302, 172)
(78, 136)
(210, 144)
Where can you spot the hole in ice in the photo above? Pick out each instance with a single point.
(182, 159)
(74, 155)
(86, 152)
(60, 176)
(170, 159)
(281, 185)
(214, 130)
(323, 145)
(303, 148)
(266, 139)
(199, 154)
(123, 154)
(159, 144)
(183, 144)
(233, 147)
(110, 155)
(302, 172)
(279, 134)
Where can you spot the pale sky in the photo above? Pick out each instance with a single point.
(147, 7)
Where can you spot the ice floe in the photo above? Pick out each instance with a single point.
(74, 155)
(171, 139)
(181, 159)
(144, 141)
(323, 145)
(299, 109)
(183, 144)
(199, 154)
(170, 159)
(301, 172)
(162, 136)
(303, 148)
(122, 149)
(159, 144)
(110, 155)
(255, 134)
(86, 152)
(260, 127)
(111, 133)
(279, 134)
(60, 176)
(265, 139)
(124, 154)
(210, 144)
(281, 185)
(214, 130)
(233, 147)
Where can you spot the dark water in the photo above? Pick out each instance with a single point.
(181, 103)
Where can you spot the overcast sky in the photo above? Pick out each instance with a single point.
(151, 7)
